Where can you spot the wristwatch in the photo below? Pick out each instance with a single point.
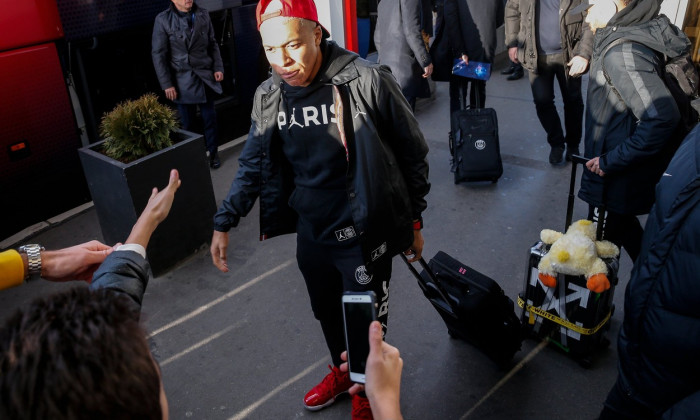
(33, 252)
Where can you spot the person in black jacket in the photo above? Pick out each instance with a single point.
(188, 65)
(630, 114)
(82, 353)
(335, 154)
(471, 25)
(659, 340)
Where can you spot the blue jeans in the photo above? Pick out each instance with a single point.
(188, 115)
(550, 67)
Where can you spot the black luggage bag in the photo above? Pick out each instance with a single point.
(472, 305)
(474, 145)
(569, 315)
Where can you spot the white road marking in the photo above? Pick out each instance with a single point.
(200, 344)
(219, 300)
(506, 378)
(246, 411)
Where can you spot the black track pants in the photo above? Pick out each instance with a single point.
(328, 272)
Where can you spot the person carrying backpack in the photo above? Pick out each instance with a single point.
(631, 116)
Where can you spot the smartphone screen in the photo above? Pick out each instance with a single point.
(359, 310)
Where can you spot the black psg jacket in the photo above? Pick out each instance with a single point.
(387, 169)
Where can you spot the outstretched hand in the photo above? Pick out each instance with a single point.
(156, 211)
(78, 262)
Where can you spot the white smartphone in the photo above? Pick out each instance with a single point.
(359, 310)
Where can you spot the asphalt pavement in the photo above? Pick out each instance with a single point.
(245, 345)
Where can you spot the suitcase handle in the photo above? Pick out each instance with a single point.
(575, 161)
(433, 277)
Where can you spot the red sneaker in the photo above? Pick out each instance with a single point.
(325, 393)
(360, 408)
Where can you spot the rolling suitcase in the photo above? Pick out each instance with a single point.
(569, 315)
(474, 145)
(472, 305)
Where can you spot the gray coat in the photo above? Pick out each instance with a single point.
(186, 61)
(400, 45)
(471, 25)
(520, 19)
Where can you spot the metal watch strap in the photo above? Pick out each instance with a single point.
(33, 252)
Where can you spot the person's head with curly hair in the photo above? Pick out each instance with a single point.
(80, 354)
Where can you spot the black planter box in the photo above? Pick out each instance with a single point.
(120, 192)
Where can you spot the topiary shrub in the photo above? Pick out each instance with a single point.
(137, 128)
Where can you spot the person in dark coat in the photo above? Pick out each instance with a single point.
(401, 47)
(188, 65)
(471, 25)
(659, 341)
(547, 39)
(631, 115)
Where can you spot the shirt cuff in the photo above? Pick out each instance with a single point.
(137, 248)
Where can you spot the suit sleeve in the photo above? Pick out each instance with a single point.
(512, 23)
(160, 53)
(125, 273)
(634, 75)
(245, 188)
(411, 25)
(407, 142)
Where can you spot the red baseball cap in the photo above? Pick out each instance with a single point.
(305, 9)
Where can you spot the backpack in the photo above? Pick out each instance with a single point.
(683, 81)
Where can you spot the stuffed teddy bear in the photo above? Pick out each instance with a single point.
(576, 253)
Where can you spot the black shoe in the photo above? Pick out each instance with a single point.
(508, 70)
(214, 162)
(517, 74)
(556, 156)
(570, 151)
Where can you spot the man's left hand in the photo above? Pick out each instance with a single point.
(428, 71)
(416, 248)
(218, 76)
(578, 65)
(593, 165)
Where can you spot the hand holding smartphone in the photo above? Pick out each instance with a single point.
(359, 310)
